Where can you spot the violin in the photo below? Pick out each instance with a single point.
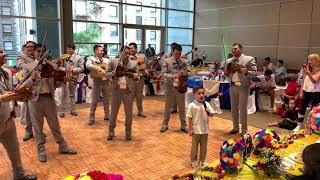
(180, 83)
(49, 71)
(120, 72)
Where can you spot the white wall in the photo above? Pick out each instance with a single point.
(288, 29)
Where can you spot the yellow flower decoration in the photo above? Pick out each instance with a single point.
(85, 178)
(69, 178)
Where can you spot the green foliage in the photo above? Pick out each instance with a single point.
(90, 35)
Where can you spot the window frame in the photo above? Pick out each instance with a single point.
(4, 45)
(3, 29)
(2, 7)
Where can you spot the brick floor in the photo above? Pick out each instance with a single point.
(150, 155)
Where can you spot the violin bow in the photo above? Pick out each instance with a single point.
(37, 65)
(120, 58)
(189, 64)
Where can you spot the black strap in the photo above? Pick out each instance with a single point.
(205, 107)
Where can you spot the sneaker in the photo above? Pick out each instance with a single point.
(73, 113)
(27, 136)
(298, 128)
(233, 131)
(163, 128)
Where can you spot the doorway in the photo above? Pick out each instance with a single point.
(144, 35)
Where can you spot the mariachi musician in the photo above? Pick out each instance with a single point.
(170, 70)
(42, 105)
(8, 132)
(23, 60)
(75, 64)
(124, 73)
(98, 66)
(140, 59)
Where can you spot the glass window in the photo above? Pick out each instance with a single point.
(153, 35)
(7, 28)
(139, 8)
(187, 5)
(5, 10)
(95, 32)
(8, 45)
(95, 11)
(180, 19)
(156, 3)
(32, 8)
(130, 16)
(114, 30)
(138, 19)
(153, 20)
(138, 34)
(181, 36)
(112, 49)
(113, 11)
(85, 49)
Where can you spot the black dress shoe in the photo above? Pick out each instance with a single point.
(91, 122)
(110, 137)
(129, 138)
(184, 129)
(73, 113)
(233, 131)
(163, 128)
(106, 118)
(27, 177)
(68, 151)
(42, 158)
(27, 136)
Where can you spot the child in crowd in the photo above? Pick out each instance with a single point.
(291, 117)
(198, 114)
(292, 91)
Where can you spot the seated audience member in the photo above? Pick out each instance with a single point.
(311, 161)
(292, 91)
(281, 73)
(266, 85)
(268, 64)
(290, 120)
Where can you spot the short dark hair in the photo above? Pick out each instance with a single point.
(237, 44)
(72, 46)
(24, 46)
(311, 160)
(34, 43)
(268, 72)
(280, 61)
(134, 45)
(95, 47)
(177, 47)
(267, 59)
(124, 47)
(196, 88)
(173, 44)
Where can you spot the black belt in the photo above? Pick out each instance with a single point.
(45, 95)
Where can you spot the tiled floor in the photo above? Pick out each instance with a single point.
(150, 155)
